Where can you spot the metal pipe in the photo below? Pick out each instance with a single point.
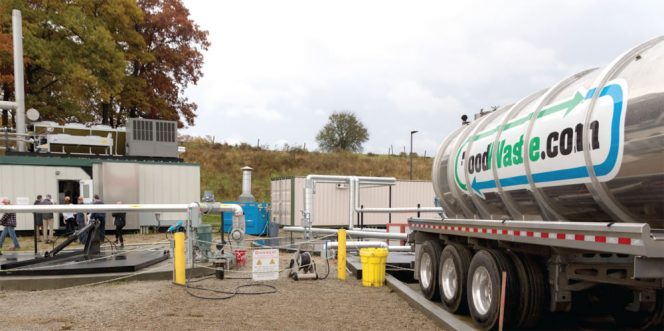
(19, 93)
(351, 201)
(403, 210)
(93, 208)
(246, 195)
(351, 233)
(7, 105)
(369, 244)
(205, 208)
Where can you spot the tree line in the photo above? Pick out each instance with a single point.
(102, 61)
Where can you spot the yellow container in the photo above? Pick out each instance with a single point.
(373, 266)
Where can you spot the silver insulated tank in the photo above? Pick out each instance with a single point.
(590, 148)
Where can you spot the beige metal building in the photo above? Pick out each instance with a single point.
(22, 178)
(331, 203)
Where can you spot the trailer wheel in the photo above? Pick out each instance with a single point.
(484, 287)
(532, 290)
(452, 275)
(428, 268)
(642, 320)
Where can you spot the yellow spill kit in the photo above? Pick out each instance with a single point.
(373, 266)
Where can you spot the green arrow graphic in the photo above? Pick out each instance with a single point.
(567, 105)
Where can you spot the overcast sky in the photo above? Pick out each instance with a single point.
(277, 69)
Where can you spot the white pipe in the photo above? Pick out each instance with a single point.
(401, 210)
(19, 93)
(7, 105)
(205, 208)
(351, 198)
(351, 233)
(369, 244)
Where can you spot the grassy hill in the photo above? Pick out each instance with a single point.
(221, 164)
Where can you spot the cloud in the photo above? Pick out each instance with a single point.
(413, 97)
(275, 70)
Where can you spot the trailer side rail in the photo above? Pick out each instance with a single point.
(619, 238)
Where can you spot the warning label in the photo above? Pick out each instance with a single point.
(265, 264)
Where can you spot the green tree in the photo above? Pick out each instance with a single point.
(343, 132)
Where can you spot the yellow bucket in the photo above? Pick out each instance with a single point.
(373, 266)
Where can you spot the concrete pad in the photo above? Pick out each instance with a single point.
(160, 271)
(437, 314)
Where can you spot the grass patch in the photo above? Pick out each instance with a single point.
(221, 164)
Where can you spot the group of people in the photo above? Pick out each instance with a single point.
(73, 221)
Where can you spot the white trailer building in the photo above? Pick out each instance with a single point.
(331, 202)
(23, 177)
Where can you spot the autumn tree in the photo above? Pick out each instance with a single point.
(176, 43)
(102, 61)
(343, 132)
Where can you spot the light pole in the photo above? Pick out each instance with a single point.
(411, 152)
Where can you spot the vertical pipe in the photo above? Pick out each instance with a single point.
(194, 217)
(341, 254)
(19, 93)
(308, 205)
(410, 156)
(351, 201)
(361, 218)
(389, 204)
(179, 276)
(246, 195)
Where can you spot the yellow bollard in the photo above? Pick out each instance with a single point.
(179, 263)
(341, 254)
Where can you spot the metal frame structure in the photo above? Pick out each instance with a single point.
(194, 210)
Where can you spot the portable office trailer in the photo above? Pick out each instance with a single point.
(331, 203)
(127, 180)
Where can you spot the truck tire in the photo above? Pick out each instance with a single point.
(532, 290)
(428, 268)
(484, 287)
(452, 275)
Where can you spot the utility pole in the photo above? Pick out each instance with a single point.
(411, 152)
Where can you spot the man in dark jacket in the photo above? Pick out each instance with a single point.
(81, 220)
(39, 221)
(119, 220)
(101, 217)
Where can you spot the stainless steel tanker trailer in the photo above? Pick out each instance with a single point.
(564, 192)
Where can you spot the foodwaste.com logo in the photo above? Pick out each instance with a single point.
(555, 149)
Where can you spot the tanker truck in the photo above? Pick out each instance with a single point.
(563, 193)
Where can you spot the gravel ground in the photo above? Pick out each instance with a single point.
(327, 304)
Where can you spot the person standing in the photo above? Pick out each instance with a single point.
(48, 221)
(81, 220)
(39, 221)
(8, 220)
(119, 220)
(70, 219)
(101, 217)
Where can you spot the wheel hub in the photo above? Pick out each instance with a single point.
(426, 270)
(449, 279)
(482, 289)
